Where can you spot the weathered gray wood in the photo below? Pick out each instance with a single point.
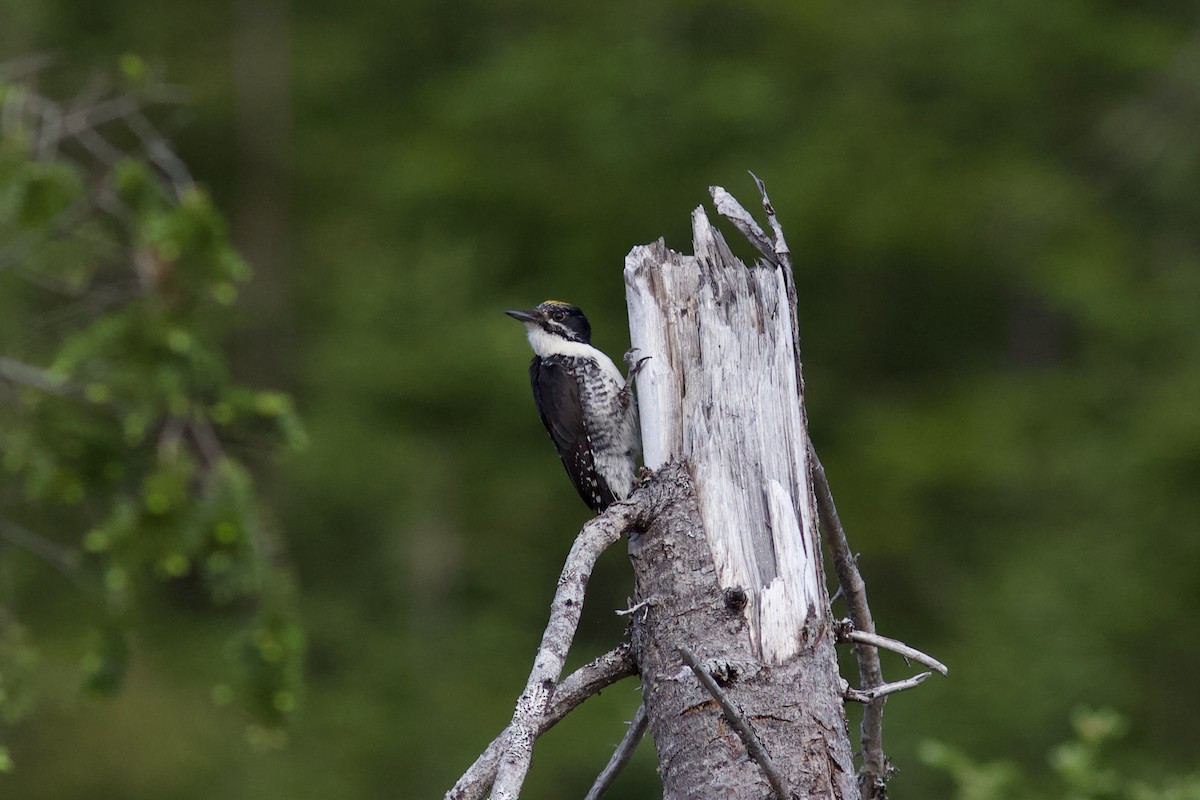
(720, 393)
(733, 572)
(795, 707)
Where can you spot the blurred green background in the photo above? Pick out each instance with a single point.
(995, 211)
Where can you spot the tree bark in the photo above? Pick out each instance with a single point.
(732, 571)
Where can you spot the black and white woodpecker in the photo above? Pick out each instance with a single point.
(586, 405)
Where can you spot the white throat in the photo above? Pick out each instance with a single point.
(545, 345)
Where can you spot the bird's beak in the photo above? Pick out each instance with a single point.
(524, 316)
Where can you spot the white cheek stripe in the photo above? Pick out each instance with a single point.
(545, 345)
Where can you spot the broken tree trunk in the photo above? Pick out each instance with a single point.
(723, 540)
(734, 574)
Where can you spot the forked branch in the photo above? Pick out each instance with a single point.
(534, 702)
(846, 632)
(513, 749)
(571, 691)
(867, 695)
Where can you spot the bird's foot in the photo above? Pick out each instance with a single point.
(633, 363)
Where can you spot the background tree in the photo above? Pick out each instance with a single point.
(995, 203)
(125, 502)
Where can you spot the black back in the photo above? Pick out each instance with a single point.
(556, 394)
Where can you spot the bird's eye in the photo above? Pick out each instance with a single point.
(559, 316)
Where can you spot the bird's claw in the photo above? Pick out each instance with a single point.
(635, 364)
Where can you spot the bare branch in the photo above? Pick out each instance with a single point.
(100, 148)
(534, 702)
(62, 558)
(161, 154)
(99, 115)
(621, 756)
(876, 768)
(749, 738)
(847, 633)
(34, 377)
(23, 66)
(581, 684)
(633, 609)
(867, 695)
(81, 120)
(206, 440)
(52, 123)
(588, 680)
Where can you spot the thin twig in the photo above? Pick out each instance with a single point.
(62, 558)
(620, 757)
(867, 695)
(206, 440)
(734, 716)
(571, 691)
(565, 610)
(96, 87)
(894, 645)
(34, 377)
(624, 612)
(48, 138)
(103, 150)
(161, 154)
(876, 768)
(99, 115)
(88, 113)
(18, 68)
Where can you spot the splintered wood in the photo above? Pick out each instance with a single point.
(721, 392)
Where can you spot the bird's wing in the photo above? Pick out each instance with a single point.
(556, 394)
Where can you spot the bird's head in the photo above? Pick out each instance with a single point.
(558, 319)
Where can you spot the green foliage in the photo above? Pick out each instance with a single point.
(121, 425)
(1080, 768)
(20, 663)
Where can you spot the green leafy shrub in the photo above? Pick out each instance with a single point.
(124, 439)
(1080, 769)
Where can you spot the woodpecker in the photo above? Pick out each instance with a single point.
(587, 407)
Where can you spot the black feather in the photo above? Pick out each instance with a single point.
(556, 394)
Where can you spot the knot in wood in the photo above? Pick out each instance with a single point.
(736, 599)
